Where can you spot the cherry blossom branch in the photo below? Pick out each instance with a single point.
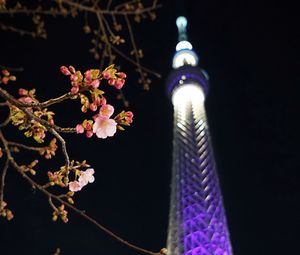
(23, 107)
(25, 147)
(51, 128)
(51, 196)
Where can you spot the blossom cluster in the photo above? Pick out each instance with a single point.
(5, 212)
(84, 178)
(5, 77)
(102, 124)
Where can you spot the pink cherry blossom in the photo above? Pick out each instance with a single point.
(86, 177)
(75, 186)
(104, 127)
(106, 110)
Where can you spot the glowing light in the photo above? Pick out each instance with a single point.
(181, 22)
(188, 93)
(185, 57)
(184, 45)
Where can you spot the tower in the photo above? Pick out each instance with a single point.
(197, 221)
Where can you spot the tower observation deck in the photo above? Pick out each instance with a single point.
(197, 221)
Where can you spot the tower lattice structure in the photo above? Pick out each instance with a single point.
(197, 221)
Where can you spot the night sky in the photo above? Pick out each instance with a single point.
(249, 52)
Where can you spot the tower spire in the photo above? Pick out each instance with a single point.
(184, 50)
(181, 23)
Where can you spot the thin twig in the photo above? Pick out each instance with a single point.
(3, 175)
(25, 147)
(123, 55)
(5, 123)
(12, 69)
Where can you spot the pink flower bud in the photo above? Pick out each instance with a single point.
(73, 77)
(128, 117)
(119, 83)
(27, 100)
(79, 129)
(74, 89)
(72, 69)
(51, 122)
(88, 126)
(95, 83)
(111, 82)
(122, 75)
(103, 101)
(5, 72)
(65, 70)
(97, 101)
(22, 92)
(93, 107)
(89, 133)
(5, 80)
(106, 75)
(88, 75)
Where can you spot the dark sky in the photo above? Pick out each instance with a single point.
(249, 50)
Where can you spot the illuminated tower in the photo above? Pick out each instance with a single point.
(197, 223)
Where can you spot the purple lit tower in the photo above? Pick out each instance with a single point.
(197, 223)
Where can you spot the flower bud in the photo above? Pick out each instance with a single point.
(72, 69)
(65, 70)
(111, 82)
(79, 129)
(119, 83)
(106, 75)
(5, 72)
(122, 75)
(95, 83)
(89, 133)
(93, 107)
(22, 92)
(74, 89)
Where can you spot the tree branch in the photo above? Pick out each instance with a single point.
(3, 175)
